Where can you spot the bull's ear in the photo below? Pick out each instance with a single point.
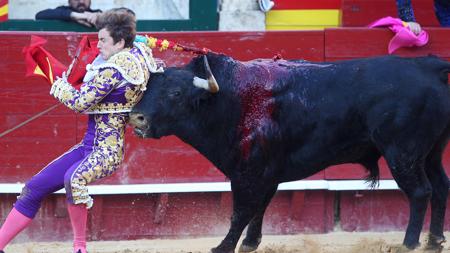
(210, 84)
(200, 83)
(204, 84)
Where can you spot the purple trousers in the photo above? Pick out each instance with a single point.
(73, 170)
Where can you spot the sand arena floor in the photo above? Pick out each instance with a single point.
(336, 242)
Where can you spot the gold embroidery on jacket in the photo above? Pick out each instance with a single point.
(133, 68)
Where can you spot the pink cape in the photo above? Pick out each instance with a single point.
(403, 36)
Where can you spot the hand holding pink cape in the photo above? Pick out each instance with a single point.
(403, 37)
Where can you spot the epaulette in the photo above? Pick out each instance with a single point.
(127, 64)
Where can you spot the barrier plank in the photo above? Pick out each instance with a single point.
(245, 46)
(27, 150)
(146, 161)
(377, 211)
(363, 12)
(353, 43)
(356, 171)
(198, 214)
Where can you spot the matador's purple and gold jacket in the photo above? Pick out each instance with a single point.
(116, 86)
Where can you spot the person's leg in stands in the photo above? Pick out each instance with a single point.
(442, 13)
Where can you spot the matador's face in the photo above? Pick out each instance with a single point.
(106, 44)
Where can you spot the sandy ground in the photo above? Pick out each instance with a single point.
(337, 242)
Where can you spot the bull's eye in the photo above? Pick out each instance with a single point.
(174, 94)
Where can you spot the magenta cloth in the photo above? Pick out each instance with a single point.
(403, 37)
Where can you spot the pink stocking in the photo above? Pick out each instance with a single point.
(14, 224)
(78, 218)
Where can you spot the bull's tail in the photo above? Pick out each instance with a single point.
(370, 162)
(373, 179)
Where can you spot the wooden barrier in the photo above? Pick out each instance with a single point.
(352, 43)
(165, 161)
(360, 13)
(26, 150)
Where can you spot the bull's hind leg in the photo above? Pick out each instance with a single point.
(253, 238)
(440, 184)
(408, 171)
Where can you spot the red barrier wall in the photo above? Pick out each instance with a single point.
(26, 150)
(360, 13)
(166, 161)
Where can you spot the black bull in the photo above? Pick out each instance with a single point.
(265, 122)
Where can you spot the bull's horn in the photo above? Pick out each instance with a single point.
(213, 86)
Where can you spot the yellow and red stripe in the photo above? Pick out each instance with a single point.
(3, 10)
(304, 15)
(306, 4)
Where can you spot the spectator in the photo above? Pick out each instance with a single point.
(406, 13)
(78, 11)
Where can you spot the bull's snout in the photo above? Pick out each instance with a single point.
(139, 122)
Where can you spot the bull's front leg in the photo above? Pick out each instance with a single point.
(247, 198)
(253, 237)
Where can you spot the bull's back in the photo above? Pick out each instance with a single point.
(337, 90)
(326, 114)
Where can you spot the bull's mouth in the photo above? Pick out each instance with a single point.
(141, 125)
(140, 132)
(145, 133)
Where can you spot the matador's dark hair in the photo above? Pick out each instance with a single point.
(120, 25)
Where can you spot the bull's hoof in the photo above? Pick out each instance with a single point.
(439, 249)
(249, 246)
(434, 243)
(218, 250)
(400, 249)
